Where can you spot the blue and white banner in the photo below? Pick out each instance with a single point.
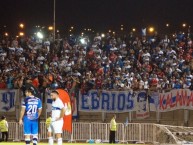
(153, 98)
(7, 100)
(142, 105)
(141, 102)
(107, 101)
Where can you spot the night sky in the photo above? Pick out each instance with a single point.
(98, 14)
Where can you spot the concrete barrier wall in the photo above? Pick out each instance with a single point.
(168, 118)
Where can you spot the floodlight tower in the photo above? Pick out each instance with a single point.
(54, 21)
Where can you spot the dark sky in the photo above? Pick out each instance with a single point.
(98, 14)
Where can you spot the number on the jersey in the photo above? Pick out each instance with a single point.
(32, 109)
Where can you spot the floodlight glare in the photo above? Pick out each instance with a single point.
(21, 34)
(151, 29)
(50, 28)
(133, 29)
(40, 35)
(21, 25)
(6, 34)
(184, 25)
(103, 35)
(82, 40)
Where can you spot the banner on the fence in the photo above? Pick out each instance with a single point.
(7, 100)
(142, 110)
(153, 100)
(176, 99)
(141, 102)
(107, 101)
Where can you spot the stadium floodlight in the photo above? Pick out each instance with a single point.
(102, 35)
(21, 33)
(6, 34)
(184, 25)
(40, 35)
(50, 28)
(21, 25)
(82, 40)
(133, 29)
(151, 29)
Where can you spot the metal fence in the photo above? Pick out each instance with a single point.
(87, 131)
(138, 132)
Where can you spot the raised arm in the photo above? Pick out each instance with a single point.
(21, 115)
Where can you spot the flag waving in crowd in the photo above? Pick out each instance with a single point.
(68, 111)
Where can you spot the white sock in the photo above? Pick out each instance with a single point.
(35, 139)
(50, 141)
(27, 141)
(59, 141)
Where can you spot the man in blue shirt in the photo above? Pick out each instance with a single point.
(30, 112)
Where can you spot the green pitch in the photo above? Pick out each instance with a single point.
(22, 143)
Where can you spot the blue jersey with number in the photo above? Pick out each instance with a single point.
(32, 105)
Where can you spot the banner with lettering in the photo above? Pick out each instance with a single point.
(141, 102)
(107, 101)
(7, 100)
(176, 99)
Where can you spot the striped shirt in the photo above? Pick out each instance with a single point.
(57, 106)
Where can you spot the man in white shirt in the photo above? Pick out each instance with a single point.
(165, 41)
(19, 50)
(58, 110)
(40, 58)
(47, 44)
(146, 56)
(113, 48)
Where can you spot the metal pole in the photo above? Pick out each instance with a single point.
(186, 117)
(54, 36)
(130, 116)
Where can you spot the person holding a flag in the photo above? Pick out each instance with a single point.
(58, 111)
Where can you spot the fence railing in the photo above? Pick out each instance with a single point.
(87, 131)
(132, 132)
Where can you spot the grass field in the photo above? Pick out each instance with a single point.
(22, 143)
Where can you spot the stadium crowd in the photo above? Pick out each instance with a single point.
(108, 63)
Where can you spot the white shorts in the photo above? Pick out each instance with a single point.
(56, 126)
